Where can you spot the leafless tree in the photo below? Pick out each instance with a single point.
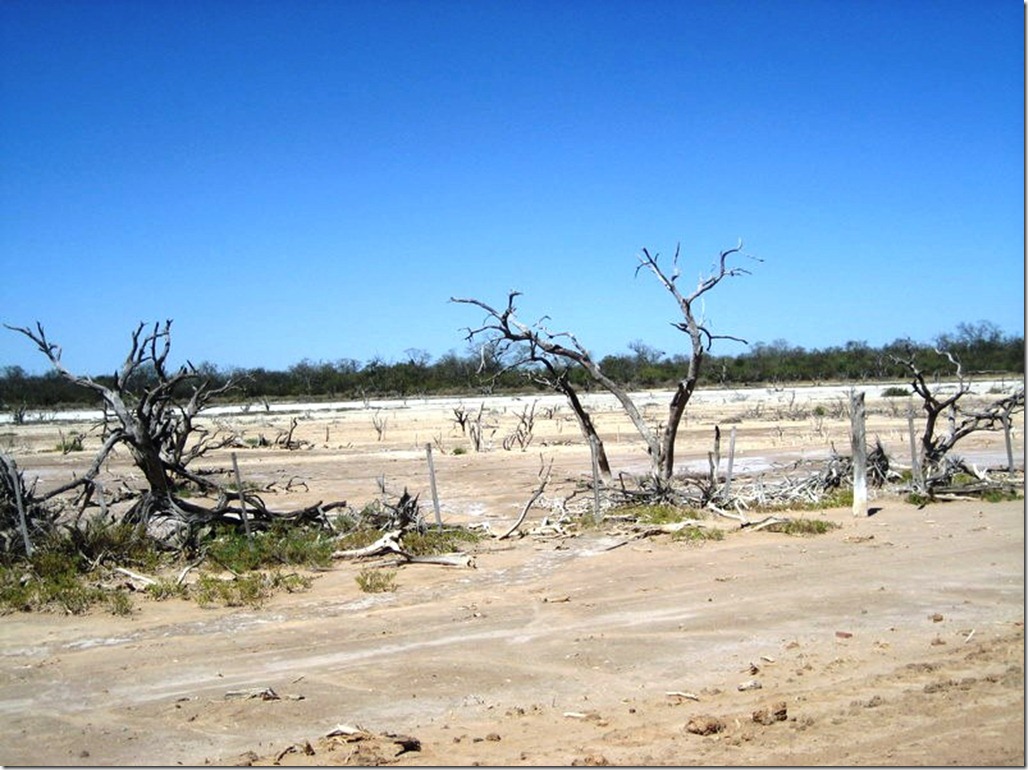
(550, 352)
(936, 445)
(541, 353)
(152, 410)
(522, 434)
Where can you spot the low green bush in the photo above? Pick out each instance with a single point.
(280, 545)
(436, 541)
(375, 581)
(657, 513)
(803, 527)
(698, 534)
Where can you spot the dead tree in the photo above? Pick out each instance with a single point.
(152, 409)
(935, 464)
(538, 351)
(23, 517)
(662, 445)
(546, 347)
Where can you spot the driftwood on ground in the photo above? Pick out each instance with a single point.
(390, 543)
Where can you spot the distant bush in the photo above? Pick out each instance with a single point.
(803, 527)
(376, 581)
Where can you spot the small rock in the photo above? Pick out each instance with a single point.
(775, 713)
(843, 634)
(750, 684)
(705, 725)
(591, 760)
(493, 737)
(762, 717)
(936, 618)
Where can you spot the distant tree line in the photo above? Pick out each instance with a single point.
(981, 348)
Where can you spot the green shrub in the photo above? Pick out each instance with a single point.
(119, 603)
(375, 581)
(100, 540)
(658, 513)
(803, 527)
(250, 590)
(435, 541)
(895, 391)
(72, 443)
(358, 538)
(282, 544)
(243, 590)
(49, 582)
(1000, 495)
(167, 589)
(698, 534)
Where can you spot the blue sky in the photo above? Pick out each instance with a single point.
(315, 179)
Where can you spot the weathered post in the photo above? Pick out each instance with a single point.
(915, 461)
(859, 454)
(435, 493)
(1010, 448)
(714, 458)
(242, 501)
(731, 462)
(594, 451)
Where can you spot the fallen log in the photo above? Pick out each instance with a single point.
(765, 522)
(146, 581)
(671, 528)
(445, 559)
(264, 693)
(388, 543)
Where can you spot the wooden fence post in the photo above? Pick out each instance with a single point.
(1010, 448)
(594, 450)
(731, 461)
(435, 493)
(859, 445)
(242, 501)
(915, 461)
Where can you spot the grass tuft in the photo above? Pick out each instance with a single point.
(803, 527)
(376, 581)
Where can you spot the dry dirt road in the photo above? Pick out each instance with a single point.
(896, 639)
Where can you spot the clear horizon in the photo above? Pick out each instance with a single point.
(292, 181)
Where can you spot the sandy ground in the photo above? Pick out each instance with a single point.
(897, 639)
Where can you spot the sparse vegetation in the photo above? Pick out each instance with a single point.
(698, 534)
(165, 588)
(999, 495)
(657, 513)
(72, 443)
(803, 527)
(376, 581)
(277, 546)
(435, 541)
(250, 590)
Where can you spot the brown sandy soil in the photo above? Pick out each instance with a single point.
(897, 639)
